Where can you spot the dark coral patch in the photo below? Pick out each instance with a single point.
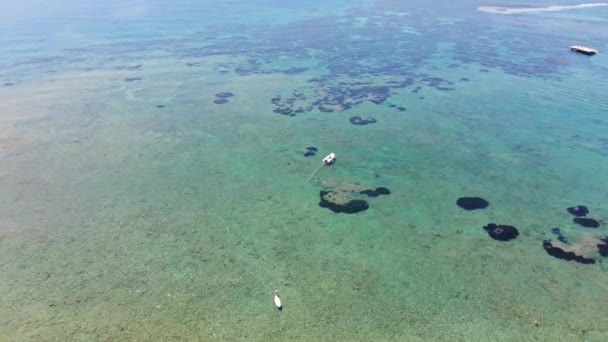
(129, 67)
(578, 211)
(472, 203)
(357, 120)
(375, 193)
(292, 71)
(220, 101)
(602, 248)
(224, 94)
(350, 207)
(284, 111)
(501, 232)
(559, 235)
(586, 222)
(559, 253)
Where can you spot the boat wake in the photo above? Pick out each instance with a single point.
(519, 10)
(314, 173)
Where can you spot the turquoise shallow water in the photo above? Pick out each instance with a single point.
(123, 220)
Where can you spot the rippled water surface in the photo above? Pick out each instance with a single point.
(139, 203)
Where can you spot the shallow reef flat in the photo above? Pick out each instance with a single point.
(161, 179)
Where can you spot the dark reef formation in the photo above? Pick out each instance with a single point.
(501, 232)
(360, 64)
(310, 151)
(224, 94)
(578, 211)
(129, 67)
(560, 253)
(437, 83)
(586, 222)
(357, 120)
(348, 207)
(375, 193)
(472, 203)
(291, 71)
(559, 235)
(602, 248)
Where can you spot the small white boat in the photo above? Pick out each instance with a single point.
(583, 49)
(330, 159)
(277, 300)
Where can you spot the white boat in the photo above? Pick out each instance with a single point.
(277, 300)
(583, 49)
(330, 159)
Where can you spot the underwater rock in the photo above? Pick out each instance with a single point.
(602, 248)
(559, 235)
(349, 207)
(586, 222)
(295, 70)
(220, 101)
(432, 81)
(375, 193)
(578, 211)
(224, 94)
(357, 120)
(560, 253)
(284, 111)
(501, 232)
(472, 203)
(129, 67)
(444, 88)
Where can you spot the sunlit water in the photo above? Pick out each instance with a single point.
(134, 207)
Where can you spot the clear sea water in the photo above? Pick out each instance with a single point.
(134, 208)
